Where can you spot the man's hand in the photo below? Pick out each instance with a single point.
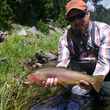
(50, 82)
(84, 84)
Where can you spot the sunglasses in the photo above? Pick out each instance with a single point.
(78, 16)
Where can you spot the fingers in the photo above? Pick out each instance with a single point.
(55, 81)
(50, 82)
(85, 84)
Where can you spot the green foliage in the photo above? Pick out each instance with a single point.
(5, 14)
(24, 11)
(18, 48)
(43, 27)
(49, 43)
(13, 52)
(14, 96)
(28, 12)
(61, 22)
(101, 14)
(59, 12)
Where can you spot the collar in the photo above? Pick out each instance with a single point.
(90, 26)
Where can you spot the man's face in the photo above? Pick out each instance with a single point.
(81, 23)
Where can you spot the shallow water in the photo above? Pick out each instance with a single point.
(70, 103)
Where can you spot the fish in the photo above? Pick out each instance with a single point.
(65, 77)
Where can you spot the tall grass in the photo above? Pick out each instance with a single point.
(13, 52)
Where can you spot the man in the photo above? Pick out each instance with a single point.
(84, 40)
(85, 46)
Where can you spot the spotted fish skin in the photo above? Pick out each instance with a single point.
(65, 77)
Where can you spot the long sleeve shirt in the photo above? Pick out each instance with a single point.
(99, 34)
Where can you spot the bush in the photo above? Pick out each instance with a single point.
(5, 14)
(43, 27)
(61, 22)
(13, 53)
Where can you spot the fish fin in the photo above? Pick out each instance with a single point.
(97, 83)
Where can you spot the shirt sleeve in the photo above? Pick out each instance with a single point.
(103, 63)
(63, 51)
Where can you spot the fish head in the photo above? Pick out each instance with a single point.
(33, 79)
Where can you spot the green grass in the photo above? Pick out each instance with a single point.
(13, 52)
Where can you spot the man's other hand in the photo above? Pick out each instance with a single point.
(84, 84)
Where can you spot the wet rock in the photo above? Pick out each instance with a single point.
(2, 36)
(22, 32)
(41, 59)
(51, 56)
(32, 30)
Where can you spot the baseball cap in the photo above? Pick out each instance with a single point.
(77, 5)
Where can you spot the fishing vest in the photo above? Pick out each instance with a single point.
(79, 47)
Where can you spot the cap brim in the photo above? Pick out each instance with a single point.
(74, 11)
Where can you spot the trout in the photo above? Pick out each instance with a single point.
(65, 77)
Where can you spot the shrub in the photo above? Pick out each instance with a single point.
(43, 27)
(61, 22)
(5, 14)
